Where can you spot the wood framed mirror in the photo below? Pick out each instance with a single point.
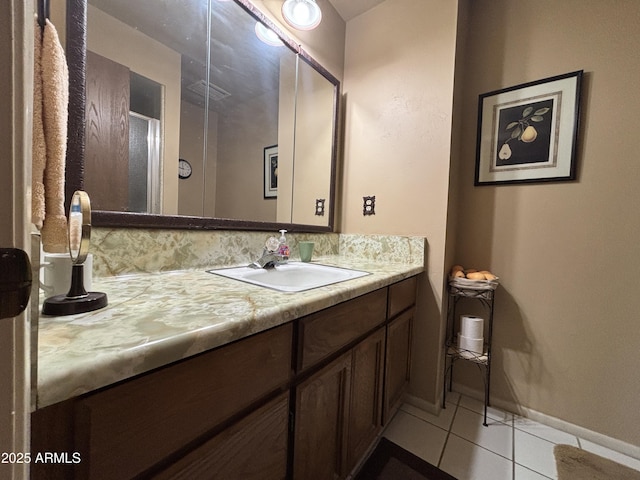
(295, 99)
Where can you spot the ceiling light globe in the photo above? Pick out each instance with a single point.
(267, 35)
(302, 14)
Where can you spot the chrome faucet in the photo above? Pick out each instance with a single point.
(272, 254)
(268, 259)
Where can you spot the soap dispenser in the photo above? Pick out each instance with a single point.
(283, 248)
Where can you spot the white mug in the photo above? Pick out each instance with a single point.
(56, 273)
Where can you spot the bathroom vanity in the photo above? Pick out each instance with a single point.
(186, 374)
(301, 390)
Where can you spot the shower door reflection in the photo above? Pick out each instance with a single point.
(144, 164)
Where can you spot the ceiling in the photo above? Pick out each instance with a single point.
(174, 23)
(349, 9)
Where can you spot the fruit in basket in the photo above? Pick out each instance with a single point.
(458, 271)
(476, 276)
(488, 275)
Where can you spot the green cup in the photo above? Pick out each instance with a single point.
(306, 251)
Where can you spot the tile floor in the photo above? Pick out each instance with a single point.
(510, 447)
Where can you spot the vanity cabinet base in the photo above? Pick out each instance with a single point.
(301, 401)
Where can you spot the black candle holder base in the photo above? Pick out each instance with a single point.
(77, 300)
(63, 305)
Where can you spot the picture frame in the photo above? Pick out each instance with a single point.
(271, 171)
(528, 133)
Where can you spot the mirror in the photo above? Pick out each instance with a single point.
(257, 148)
(314, 141)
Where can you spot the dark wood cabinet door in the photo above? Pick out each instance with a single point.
(398, 362)
(365, 418)
(253, 449)
(321, 422)
(107, 134)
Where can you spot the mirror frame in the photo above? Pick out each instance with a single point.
(76, 46)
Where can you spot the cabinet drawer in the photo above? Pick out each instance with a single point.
(255, 448)
(324, 333)
(402, 295)
(132, 426)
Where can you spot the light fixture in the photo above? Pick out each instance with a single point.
(267, 35)
(302, 14)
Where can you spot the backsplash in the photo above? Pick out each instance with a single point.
(383, 248)
(120, 251)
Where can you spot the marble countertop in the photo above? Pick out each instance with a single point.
(154, 319)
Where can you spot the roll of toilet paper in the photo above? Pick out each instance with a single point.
(471, 326)
(472, 344)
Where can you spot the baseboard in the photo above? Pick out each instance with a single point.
(423, 405)
(580, 432)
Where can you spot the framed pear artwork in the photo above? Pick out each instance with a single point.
(528, 133)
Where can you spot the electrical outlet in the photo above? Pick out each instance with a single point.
(369, 205)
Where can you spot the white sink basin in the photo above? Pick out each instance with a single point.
(292, 276)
